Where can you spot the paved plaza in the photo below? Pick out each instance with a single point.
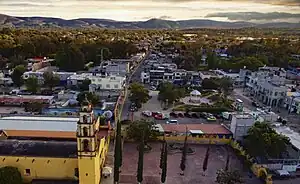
(193, 172)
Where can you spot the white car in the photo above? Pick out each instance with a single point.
(147, 113)
(172, 121)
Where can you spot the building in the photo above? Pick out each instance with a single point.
(67, 155)
(293, 73)
(63, 76)
(240, 124)
(207, 75)
(23, 99)
(98, 81)
(268, 85)
(5, 81)
(197, 133)
(292, 102)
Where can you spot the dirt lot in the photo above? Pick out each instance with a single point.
(193, 172)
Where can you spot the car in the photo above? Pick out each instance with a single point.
(181, 115)
(195, 115)
(173, 114)
(188, 115)
(154, 113)
(255, 104)
(147, 113)
(211, 118)
(172, 121)
(153, 88)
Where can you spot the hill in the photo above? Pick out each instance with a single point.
(10, 21)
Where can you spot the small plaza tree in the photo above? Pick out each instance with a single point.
(10, 175)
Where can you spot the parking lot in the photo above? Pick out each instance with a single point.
(153, 105)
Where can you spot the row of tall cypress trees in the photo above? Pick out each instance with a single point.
(163, 158)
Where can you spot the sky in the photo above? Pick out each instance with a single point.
(134, 10)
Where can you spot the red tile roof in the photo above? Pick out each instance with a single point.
(205, 128)
(39, 133)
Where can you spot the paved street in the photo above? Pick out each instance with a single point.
(135, 77)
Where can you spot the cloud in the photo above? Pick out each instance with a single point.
(249, 16)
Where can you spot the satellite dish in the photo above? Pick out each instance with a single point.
(107, 114)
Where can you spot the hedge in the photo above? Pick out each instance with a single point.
(10, 175)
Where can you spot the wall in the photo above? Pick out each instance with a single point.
(197, 139)
(42, 167)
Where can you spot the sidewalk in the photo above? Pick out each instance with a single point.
(109, 163)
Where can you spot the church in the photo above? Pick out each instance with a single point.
(58, 156)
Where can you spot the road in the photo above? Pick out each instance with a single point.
(134, 77)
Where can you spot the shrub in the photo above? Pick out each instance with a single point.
(209, 109)
(10, 175)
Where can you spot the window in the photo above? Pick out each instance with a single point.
(86, 145)
(84, 119)
(116, 86)
(108, 86)
(275, 93)
(27, 172)
(85, 131)
(76, 172)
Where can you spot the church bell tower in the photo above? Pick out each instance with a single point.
(87, 146)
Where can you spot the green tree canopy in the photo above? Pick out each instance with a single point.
(263, 141)
(70, 58)
(10, 175)
(94, 99)
(32, 84)
(138, 94)
(85, 85)
(135, 129)
(17, 75)
(170, 93)
(50, 79)
(229, 177)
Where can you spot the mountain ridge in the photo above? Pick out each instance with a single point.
(154, 23)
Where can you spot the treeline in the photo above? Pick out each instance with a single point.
(71, 49)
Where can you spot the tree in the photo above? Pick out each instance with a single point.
(32, 84)
(141, 159)
(162, 154)
(212, 60)
(183, 156)
(263, 141)
(10, 175)
(229, 177)
(205, 161)
(50, 80)
(170, 93)
(70, 58)
(142, 129)
(94, 99)
(84, 86)
(226, 86)
(117, 155)
(138, 94)
(164, 164)
(17, 75)
(210, 83)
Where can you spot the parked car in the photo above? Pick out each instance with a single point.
(195, 115)
(255, 104)
(210, 117)
(172, 121)
(203, 115)
(173, 114)
(181, 115)
(147, 113)
(188, 115)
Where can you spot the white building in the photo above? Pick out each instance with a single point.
(98, 81)
(292, 102)
(39, 75)
(5, 81)
(240, 124)
(268, 85)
